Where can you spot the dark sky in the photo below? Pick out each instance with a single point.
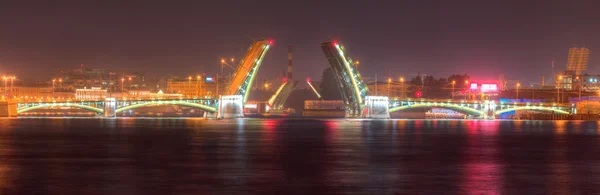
(519, 38)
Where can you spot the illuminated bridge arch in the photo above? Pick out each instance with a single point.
(450, 106)
(46, 105)
(158, 103)
(533, 108)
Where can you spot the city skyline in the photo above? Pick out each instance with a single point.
(182, 39)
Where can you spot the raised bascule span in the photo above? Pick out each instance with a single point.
(352, 88)
(281, 95)
(312, 87)
(242, 79)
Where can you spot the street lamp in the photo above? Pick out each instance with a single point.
(518, 84)
(189, 82)
(11, 84)
(453, 82)
(60, 83)
(5, 87)
(198, 85)
(122, 81)
(222, 64)
(357, 63)
(560, 77)
(467, 90)
(389, 92)
(53, 81)
(401, 87)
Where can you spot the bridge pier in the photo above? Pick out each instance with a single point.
(376, 107)
(231, 106)
(110, 108)
(8, 108)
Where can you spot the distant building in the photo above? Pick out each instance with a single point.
(31, 92)
(207, 87)
(95, 93)
(578, 59)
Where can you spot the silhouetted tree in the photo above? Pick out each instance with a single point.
(329, 88)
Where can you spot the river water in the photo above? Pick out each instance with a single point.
(297, 156)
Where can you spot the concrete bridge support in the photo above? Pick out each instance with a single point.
(8, 108)
(110, 107)
(376, 107)
(231, 106)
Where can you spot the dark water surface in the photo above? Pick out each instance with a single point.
(297, 156)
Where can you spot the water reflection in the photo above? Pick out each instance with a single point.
(302, 156)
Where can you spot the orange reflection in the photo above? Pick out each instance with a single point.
(560, 127)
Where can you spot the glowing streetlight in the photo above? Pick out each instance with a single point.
(518, 85)
(453, 83)
(232, 59)
(122, 86)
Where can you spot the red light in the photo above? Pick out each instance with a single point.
(284, 79)
(418, 94)
(270, 42)
(307, 79)
(335, 43)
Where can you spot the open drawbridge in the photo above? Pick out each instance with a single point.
(281, 95)
(242, 79)
(352, 88)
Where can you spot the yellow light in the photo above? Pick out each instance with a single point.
(222, 60)
(122, 79)
(198, 77)
(130, 78)
(518, 84)
(389, 80)
(232, 59)
(560, 77)
(453, 82)
(467, 82)
(401, 79)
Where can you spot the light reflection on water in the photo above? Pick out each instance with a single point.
(305, 156)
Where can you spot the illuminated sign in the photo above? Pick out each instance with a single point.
(251, 106)
(209, 79)
(473, 86)
(489, 87)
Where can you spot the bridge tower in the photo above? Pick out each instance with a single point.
(351, 85)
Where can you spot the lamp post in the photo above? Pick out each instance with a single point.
(189, 84)
(53, 81)
(122, 86)
(11, 84)
(401, 87)
(5, 86)
(518, 84)
(560, 77)
(198, 85)
(60, 83)
(222, 64)
(453, 83)
(467, 88)
(578, 83)
(389, 92)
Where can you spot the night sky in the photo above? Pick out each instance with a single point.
(519, 38)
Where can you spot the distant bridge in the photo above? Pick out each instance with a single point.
(355, 94)
(229, 105)
(485, 109)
